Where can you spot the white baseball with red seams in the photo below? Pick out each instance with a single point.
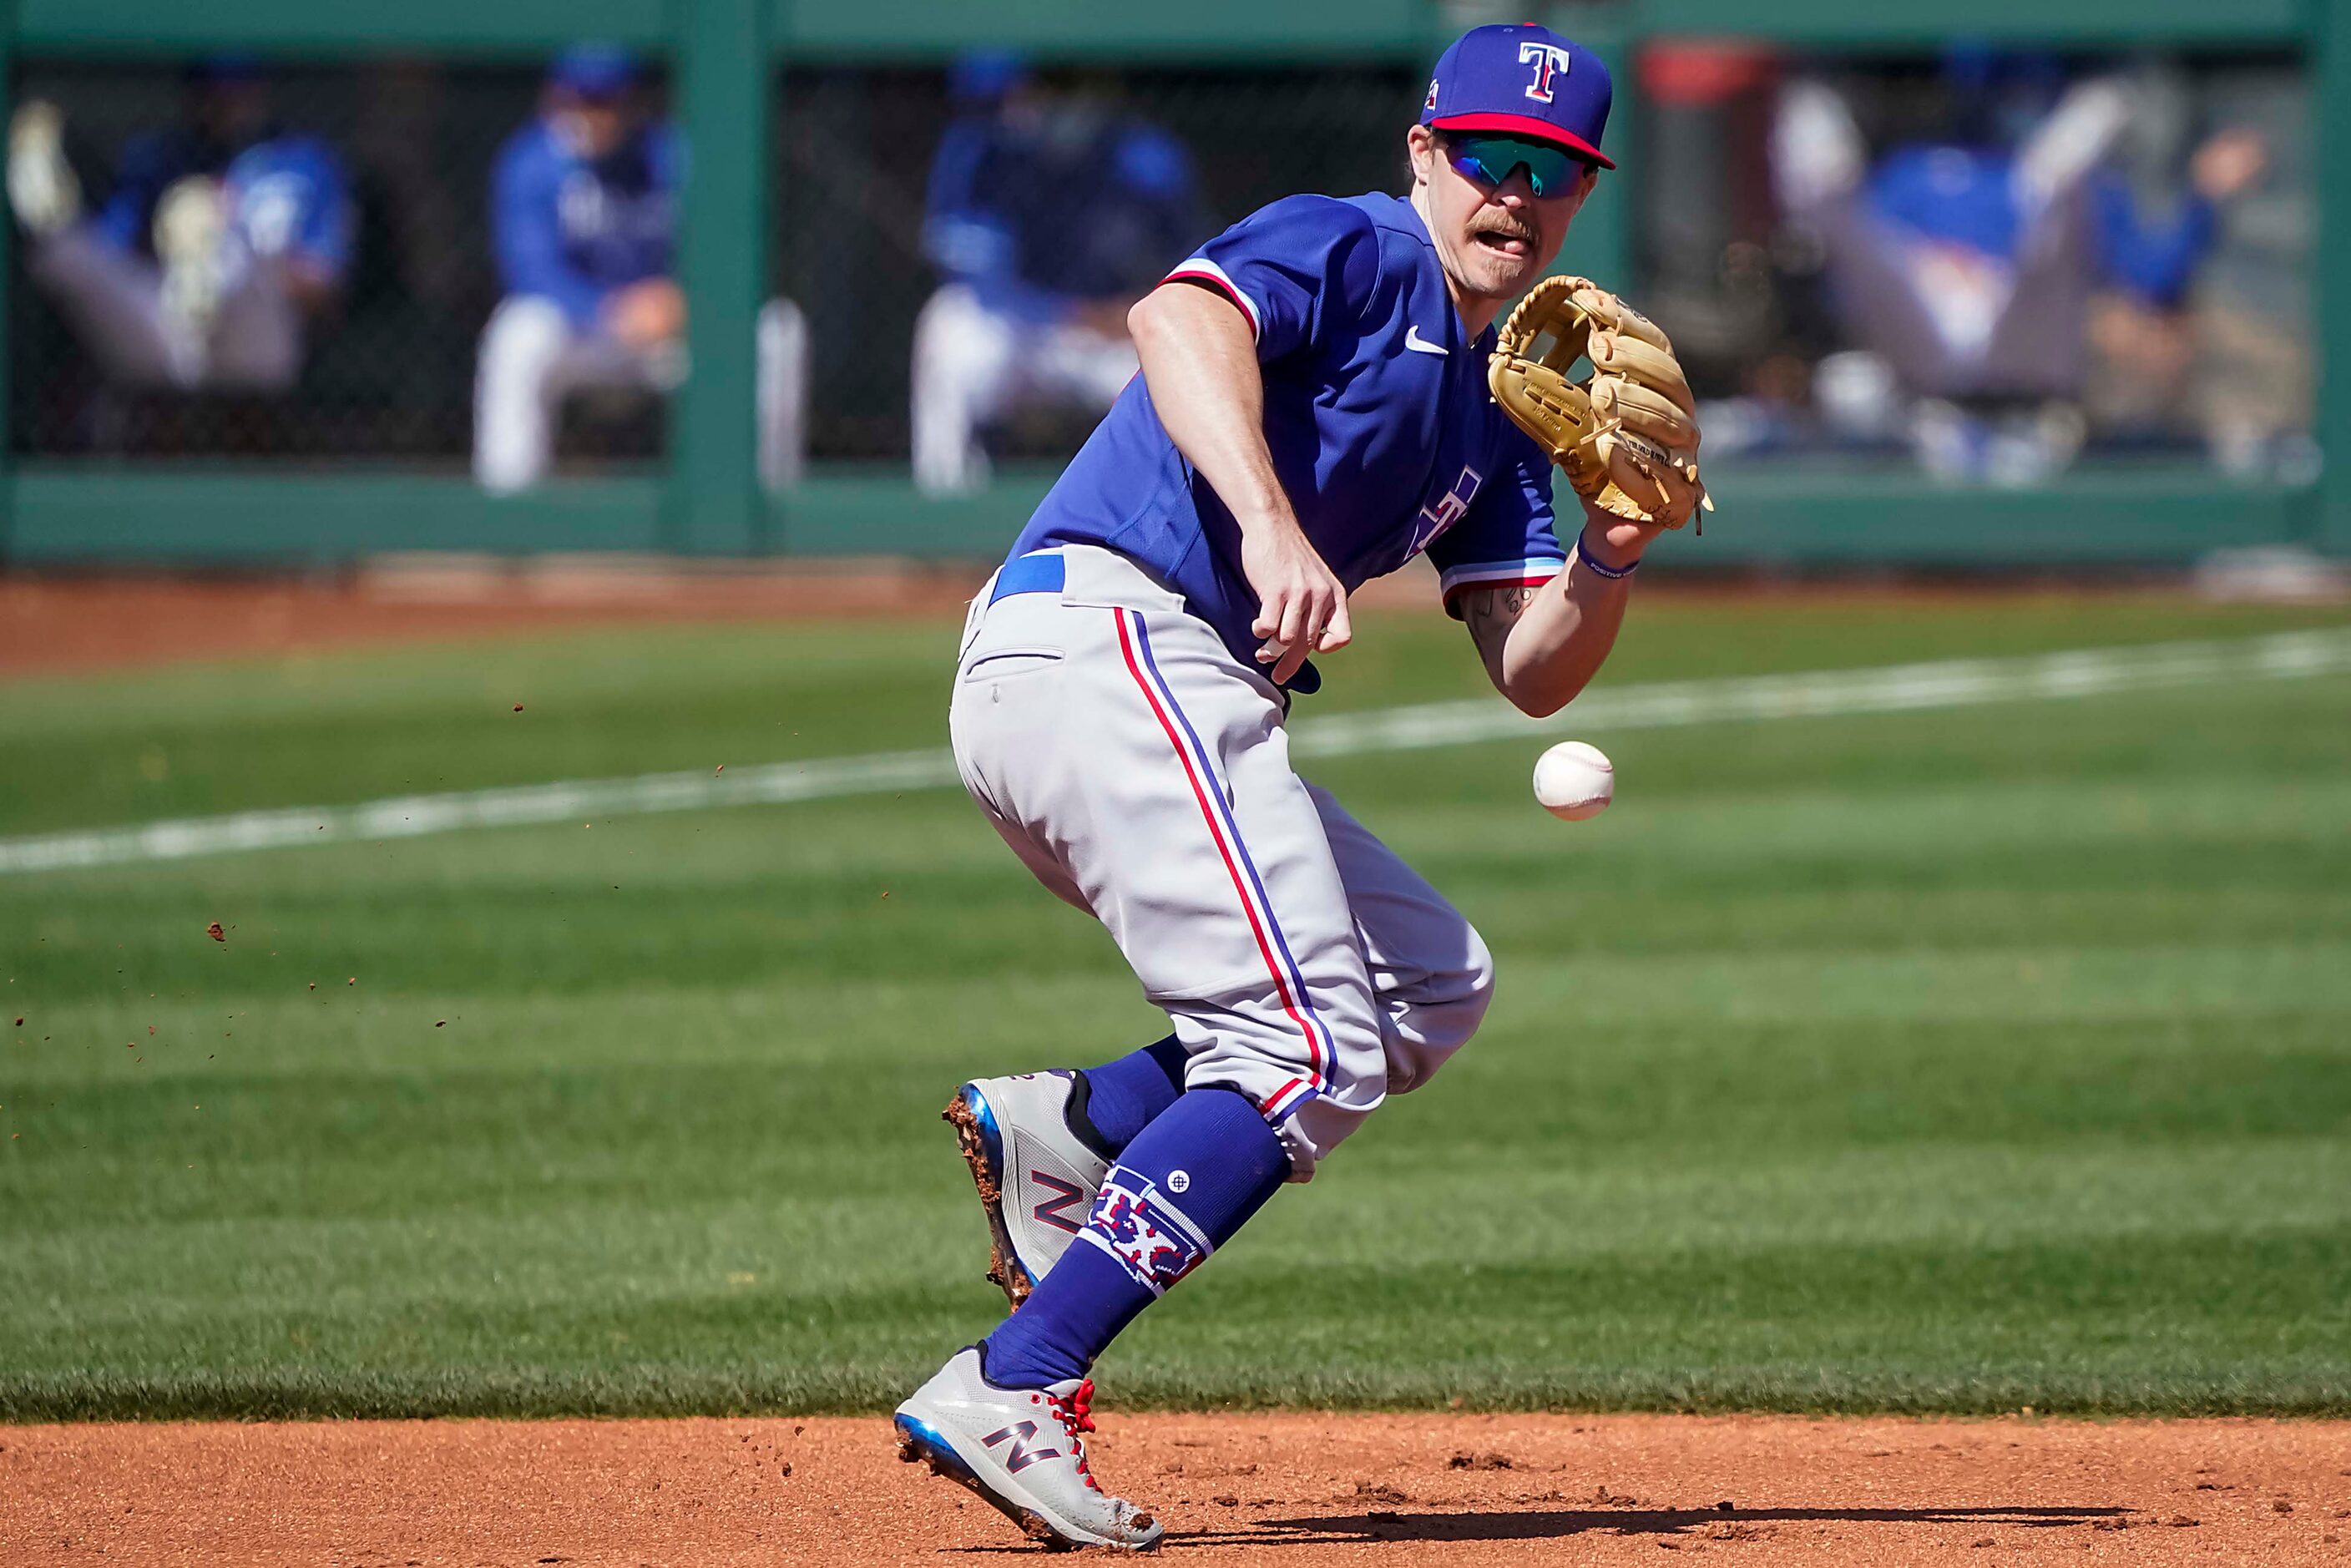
(1142, 772)
(1574, 780)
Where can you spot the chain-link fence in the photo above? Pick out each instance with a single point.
(856, 149)
(386, 371)
(2193, 342)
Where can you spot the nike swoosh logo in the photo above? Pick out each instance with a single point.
(1418, 344)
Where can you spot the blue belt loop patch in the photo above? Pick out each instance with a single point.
(1035, 573)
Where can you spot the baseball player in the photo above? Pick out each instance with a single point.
(223, 240)
(1033, 309)
(1314, 411)
(583, 219)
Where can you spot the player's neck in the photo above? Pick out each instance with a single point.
(1477, 310)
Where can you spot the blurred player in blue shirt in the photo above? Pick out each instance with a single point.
(584, 221)
(222, 239)
(1033, 305)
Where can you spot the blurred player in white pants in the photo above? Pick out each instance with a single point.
(1033, 308)
(220, 241)
(584, 223)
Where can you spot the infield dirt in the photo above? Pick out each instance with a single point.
(1299, 1490)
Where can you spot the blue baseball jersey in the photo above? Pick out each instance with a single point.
(1376, 415)
(571, 228)
(287, 194)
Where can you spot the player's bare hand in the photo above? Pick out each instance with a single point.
(2229, 164)
(647, 313)
(1302, 606)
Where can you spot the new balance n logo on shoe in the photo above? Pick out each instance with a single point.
(1061, 1197)
(1020, 1456)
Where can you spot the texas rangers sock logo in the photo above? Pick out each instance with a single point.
(1134, 1222)
(1550, 61)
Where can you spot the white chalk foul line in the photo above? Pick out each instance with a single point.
(1885, 688)
(1896, 688)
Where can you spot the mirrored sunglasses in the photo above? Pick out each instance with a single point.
(1488, 160)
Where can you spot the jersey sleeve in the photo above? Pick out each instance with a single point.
(1300, 271)
(1508, 537)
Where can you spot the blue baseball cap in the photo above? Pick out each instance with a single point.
(1523, 80)
(594, 70)
(985, 75)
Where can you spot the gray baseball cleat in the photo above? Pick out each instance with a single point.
(1023, 1451)
(1035, 1171)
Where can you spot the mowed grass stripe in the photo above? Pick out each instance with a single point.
(1957, 682)
(1945, 1060)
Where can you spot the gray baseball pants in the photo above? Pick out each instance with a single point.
(1142, 772)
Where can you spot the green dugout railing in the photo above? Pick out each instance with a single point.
(723, 53)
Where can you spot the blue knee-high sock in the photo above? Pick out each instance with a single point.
(1120, 1098)
(1186, 1183)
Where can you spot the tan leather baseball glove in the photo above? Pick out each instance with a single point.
(1625, 434)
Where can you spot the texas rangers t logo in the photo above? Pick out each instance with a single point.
(1436, 519)
(1551, 62)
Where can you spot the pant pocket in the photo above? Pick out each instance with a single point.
(1007, 664)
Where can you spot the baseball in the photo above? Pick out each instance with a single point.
(1574, 780)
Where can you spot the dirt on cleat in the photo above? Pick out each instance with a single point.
(1004, 1269)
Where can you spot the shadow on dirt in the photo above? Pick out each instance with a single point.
(1551, 1524)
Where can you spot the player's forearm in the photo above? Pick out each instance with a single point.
(1563, 636)
(1200, 365)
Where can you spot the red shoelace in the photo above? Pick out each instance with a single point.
(1076, 1415)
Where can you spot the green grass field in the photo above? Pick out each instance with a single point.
(1948, 1060)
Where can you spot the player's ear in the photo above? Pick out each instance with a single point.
(1420, 146)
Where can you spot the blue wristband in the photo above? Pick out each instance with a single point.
(1611, 572)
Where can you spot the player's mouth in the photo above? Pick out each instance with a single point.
(1515, 244)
